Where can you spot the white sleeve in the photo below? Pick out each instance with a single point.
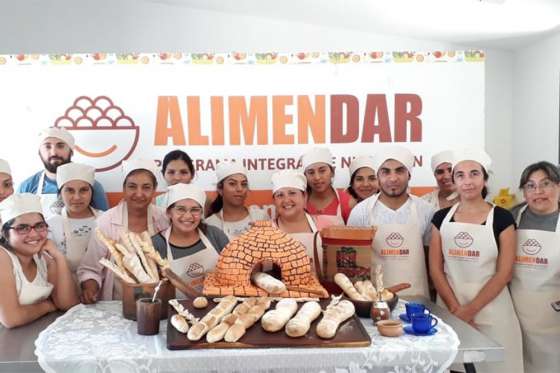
(425, 213)
(358, 216)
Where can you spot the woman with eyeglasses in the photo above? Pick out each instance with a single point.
(34, 274)
(71, 230)
(472, 251)
(134, 213)
(191, 246)
(536, 272)
(228, 211)
(363, 181)
(6, 182)
(177, 167)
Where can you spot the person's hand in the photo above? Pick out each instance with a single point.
(51, 307)
(466, 314)
(90, 288)
(51, 250)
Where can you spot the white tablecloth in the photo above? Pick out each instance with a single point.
(97, 338)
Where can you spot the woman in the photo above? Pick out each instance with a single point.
(192, 247)
(71, 230)
(472, 251)
(228, 212)
(135, 213)
(6, 182)
(34, 275)
(289, 195)
(444, 195)
(323, 199)
(536, 273)
(363, 182)
(177, 167)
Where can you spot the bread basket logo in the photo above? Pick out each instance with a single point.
(395, 240)
(463, 239)
(105, 135)
(195, 270)
(531, 247)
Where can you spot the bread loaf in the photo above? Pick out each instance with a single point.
(180, 323)
(245, 320)
(346, 285)
(300, 324)
(333, 317)
(219, 331)
(370, 290)
(212, 318)
(268, 283)
(274, 320)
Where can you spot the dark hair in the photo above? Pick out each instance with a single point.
(551, 171)
(484, 192)
(218, 203)
(350, 189)
(90, 188)
(140, 170)
(177, 155)
(6, 234)
(308, 188)
(202, 225)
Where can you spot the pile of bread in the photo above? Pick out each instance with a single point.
(229, 320)
(135, 260)
(361, 290)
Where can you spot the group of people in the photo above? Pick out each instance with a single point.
(495, 269)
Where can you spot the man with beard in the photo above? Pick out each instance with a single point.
(444, 195)
(402, 221)
(55, 149)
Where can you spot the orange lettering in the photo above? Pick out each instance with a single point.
(311, 121)
(195, 136)
(217, 108)
(280, 120)
(168, 113)
(241, 120)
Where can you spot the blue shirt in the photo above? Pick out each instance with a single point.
(30, 184)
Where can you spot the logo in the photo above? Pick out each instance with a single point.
(463, 239)
(531, 247)
(195, 270)
(395, 239)
(105, 135)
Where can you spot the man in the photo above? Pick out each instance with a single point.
(444, 195)
(403, 222)
(55, 149)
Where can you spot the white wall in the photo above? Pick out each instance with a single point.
(536, 95)
(48, 26)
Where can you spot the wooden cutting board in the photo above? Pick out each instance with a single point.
(350, 334)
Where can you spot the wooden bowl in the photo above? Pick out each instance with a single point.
(363, 308)
(390, 328)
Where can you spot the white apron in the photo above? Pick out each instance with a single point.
(339, 220)
(192, 268)
(399, 248)
(471, 253)
(48, 200)
(535, 284)
(306, 239)
(75, 246)
(230, 228)
(36, 290)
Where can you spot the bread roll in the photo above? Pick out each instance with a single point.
(346, 285)
(274, 320)
(300, 324)
(333, 317)
(180, 323)
(200, 302)
(268, 283)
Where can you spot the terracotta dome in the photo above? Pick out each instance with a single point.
(263, 243)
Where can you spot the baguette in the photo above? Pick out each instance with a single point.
(110, 246)
(219, 331)
(274, 320)
(132, 264)
(300, 324)
(346, 285)
(135, 242)
(333, 317)
(119, 272)
(244, 322)
(212, 318)
(268, 283)
(180, 323)
(370, 290)
(359, 285)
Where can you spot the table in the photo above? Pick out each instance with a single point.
(18, 356)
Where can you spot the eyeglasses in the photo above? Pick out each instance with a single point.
(194, 211)
(531, 187)
(26, 228)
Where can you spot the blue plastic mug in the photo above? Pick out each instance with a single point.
(412, 308)
(423, 323)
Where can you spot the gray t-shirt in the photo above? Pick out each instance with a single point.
(530, 220)
(217, 238)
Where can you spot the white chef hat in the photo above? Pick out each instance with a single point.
(5, 167)
(445, 156)
(74, 171)
(60, 133)
(181, 191)
(316, 155)
(396, 152)
(225, 169)
(472, 154)
(19, 204)
(139, 164)
(288, 179)
(361, 161)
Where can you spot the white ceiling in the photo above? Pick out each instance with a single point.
(506, 24)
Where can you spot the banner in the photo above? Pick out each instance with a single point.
(262, 109)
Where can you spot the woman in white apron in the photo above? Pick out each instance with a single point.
(536, 273)
(363, 179)
(471, 260)
(323, 199)
(134, 213)
(71, 230)
(228, 211)
(444, 195)
(34, 274)
(176, 167)
(6, 182)
(191, 246)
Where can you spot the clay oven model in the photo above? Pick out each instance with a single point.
(263, 243)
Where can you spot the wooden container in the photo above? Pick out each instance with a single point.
(131, 293)
(149, 314)
(390, 328)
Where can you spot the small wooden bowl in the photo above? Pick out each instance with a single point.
(363, 307)
(390, 328)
